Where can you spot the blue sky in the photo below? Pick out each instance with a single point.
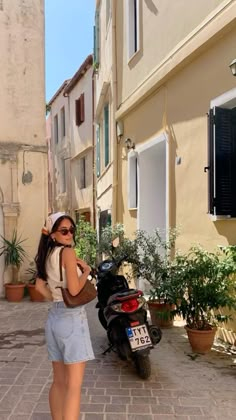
(69, 39)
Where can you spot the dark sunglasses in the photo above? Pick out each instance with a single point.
(65, 231)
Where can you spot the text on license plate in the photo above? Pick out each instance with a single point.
(138, 337)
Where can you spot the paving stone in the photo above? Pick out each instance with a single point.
(188, 410)
(117, 391)
(139, 408)
(115, 408)
(24, 407)
(162, 409)
(144, 400)
(92, 408)
(40, 416)
(5, 416)
(114, 416)
(96, 391)
(171, 417)
(101, 399)
(42, 407)
(139, 417)
(93, 416)
(121, 400)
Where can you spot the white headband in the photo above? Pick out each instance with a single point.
(51, 220)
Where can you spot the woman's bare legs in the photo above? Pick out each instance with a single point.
(58, 390)
(74, 379)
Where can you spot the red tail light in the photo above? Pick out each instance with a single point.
(130, 305)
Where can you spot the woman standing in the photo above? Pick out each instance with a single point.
(67, 332)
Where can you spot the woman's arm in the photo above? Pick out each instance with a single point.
(42, 288)
(74, 282)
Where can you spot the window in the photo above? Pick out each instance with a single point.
(63, 123)
(222, 161)
(63, 176)
(106, 136)
(56, 129)
(108, 11)
(83, 173)
(132, 180)
(79, 110)
(96, 39)
(133, 27)
(98, 164)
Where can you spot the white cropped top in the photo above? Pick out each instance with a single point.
(53, 274)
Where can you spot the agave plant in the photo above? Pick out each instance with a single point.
(13, 251)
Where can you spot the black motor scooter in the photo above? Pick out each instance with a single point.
(123, 313)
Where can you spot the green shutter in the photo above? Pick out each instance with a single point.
(106, 135)
(96, 35)
(98, 160)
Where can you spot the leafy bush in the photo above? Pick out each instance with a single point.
(86, 242)
(127, 247)
(154, 262)
(203, 283)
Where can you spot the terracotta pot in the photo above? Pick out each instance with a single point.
(14, 292)
(35, 296)
(160, 314)
(201, 341)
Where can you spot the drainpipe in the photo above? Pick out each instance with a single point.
(68, 175)
(93, 152)
(114, 108)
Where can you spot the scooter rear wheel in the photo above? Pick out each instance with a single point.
(143, 366)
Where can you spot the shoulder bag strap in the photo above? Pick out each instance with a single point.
(60, 263)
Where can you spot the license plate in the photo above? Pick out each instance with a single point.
(138, 337)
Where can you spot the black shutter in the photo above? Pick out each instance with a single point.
(225, 162)
(210, 162)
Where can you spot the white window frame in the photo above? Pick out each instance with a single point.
(132, 180)
(132, 49)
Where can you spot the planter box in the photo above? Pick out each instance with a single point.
(35, 296)
(201, 341)
(14, 292)
(160, 314)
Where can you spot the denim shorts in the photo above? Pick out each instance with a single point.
(67, 334)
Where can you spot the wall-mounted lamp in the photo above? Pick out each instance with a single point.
(129, 144)
(232, 67)
(119, 129)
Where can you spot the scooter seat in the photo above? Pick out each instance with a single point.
(122, 296)
(128, 293)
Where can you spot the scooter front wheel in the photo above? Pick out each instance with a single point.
(143, 365)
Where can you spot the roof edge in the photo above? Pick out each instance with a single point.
(79, 74)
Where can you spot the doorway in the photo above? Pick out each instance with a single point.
(153, 185)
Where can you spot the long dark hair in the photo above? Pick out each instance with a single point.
(46, 245)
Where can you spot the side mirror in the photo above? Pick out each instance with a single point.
(116, 242)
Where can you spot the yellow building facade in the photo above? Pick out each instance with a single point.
(172, 76)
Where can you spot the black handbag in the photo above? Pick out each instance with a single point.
(86, 294)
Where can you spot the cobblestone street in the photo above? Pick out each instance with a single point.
(183, 386)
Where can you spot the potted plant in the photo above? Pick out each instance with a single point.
(155, 266)
(14, 255)
(203, 284)
(35, 296)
